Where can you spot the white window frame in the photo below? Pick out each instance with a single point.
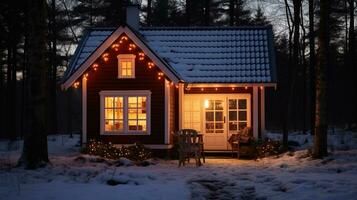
(126, 58)
(125, 94)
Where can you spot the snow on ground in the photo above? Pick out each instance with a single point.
(289, 176)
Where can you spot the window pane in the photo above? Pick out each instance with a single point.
(210, 105)
(123, 72)
(108, 114)
(233, 126)
(232, 104)
(109, 102)
(242, 115)
(242, 103)
(132, 125)
(141, 115)
(219, 126)
(132, 113)
(142, 125)
(242, 125)
(219, 105)
(113, 125)
(128, 64)
(209, 127)
(232, 115)
(118, 102)
(118, 113)
(133, 102)
(142, 102)
(128, 72)
(209, 116)
(109, 125)
(118, 125)
(219, 116)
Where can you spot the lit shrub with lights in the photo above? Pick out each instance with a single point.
(268, 147)
(136, 152)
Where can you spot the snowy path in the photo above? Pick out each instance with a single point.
(291, 176)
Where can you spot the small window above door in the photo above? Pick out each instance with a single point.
(126, 66)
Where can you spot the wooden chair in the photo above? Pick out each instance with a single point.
(242, 137)
(188, 146)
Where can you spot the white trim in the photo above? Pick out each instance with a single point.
(125, 94)
(84, 110)
(255, 112)
(214, 85)
(167, 111)
(126, 58)
(150, 146)
(180, 103)
(111, 39)
(262, 112)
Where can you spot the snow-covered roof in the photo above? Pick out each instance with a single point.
(201, 54)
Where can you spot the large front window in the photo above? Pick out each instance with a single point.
(125, 112)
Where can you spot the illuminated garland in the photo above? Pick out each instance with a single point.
(116, 47)
(136, 152)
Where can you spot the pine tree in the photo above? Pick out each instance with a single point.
(238, 14)
(259, 18)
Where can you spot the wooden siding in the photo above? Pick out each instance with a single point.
(106, 78)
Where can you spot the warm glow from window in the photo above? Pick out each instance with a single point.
(126, 68)
(113, 113)
(125, 113)
(137, 113)
(206, 103)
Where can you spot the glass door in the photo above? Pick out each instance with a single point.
(215, 136)
(214, 117)
(238, 114)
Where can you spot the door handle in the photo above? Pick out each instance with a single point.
(224, 119)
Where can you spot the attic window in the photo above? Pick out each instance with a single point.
(126, 66)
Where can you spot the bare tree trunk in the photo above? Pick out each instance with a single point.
(2, 99)
(188, 12)
(149, 13)
(304, 73)
(285, 112)
(13, 91)
(34, 152)
(312, 65)
(320, 139)
(294, 58)
(24, 91)
(53, 75)
(231, 12)
(352, 54)
(207, 12)
(8, 89)
(90, 13)
(11, 86)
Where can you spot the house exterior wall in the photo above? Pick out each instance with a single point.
(106, 78)
(173, 111)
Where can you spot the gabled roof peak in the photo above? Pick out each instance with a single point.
(202, 54)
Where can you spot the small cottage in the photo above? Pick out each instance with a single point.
(139, 84)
